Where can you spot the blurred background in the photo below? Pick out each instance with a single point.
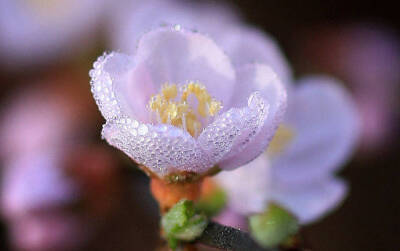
(63, 188)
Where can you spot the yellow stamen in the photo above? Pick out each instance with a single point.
(180, 113)
(283, 136)
(207, 106)
(169, 91)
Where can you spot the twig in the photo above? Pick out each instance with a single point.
(228, 238)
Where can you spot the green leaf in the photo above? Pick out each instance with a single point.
(273, 227)
(213, 203)
(182, 223)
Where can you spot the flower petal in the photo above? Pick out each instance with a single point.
(177, 56)
(326, 128)
(233, 130)
(164, 149)
(311, 201)
(260, 78)
(207, 18)
(245, 44)
(149, 15)
(107, 72)
(248, 187)
(251, 187)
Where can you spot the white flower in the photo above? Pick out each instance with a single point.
(178, 106)
(319, 132)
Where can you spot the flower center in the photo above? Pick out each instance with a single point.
(283, 136)
(178, 107)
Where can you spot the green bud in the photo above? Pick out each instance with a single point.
(182, 223)
(273, 227)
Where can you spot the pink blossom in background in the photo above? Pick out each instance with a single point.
(46, 200)
(36, 32)
(35, 129)
(367, 57)
(322, 121)
(325, 125)
(32, 124)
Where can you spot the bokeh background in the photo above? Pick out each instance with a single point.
(63, 188)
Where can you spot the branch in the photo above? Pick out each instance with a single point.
(228, 238)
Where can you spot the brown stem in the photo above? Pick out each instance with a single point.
(168, 194)
(228, 238)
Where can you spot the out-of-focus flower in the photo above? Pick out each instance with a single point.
(35, 170)
(179, 107)
(137, 20)
(34, 186)
(367, 57)
(36, 31)
(46, 203)
(242, 43)
(319, 131)
(231, 218)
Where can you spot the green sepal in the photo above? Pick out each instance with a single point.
(183, 223)
(273, 227)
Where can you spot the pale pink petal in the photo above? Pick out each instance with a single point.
(177, 56)
(212, 18)
(251, 187)
(245, 44)
(248, 187)
(311, 201)
(207, 18)
(166, 55)
(326, 128)
(233, 130)
(108, 70)
(164, 149)
(259, 78)
(149, 15)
